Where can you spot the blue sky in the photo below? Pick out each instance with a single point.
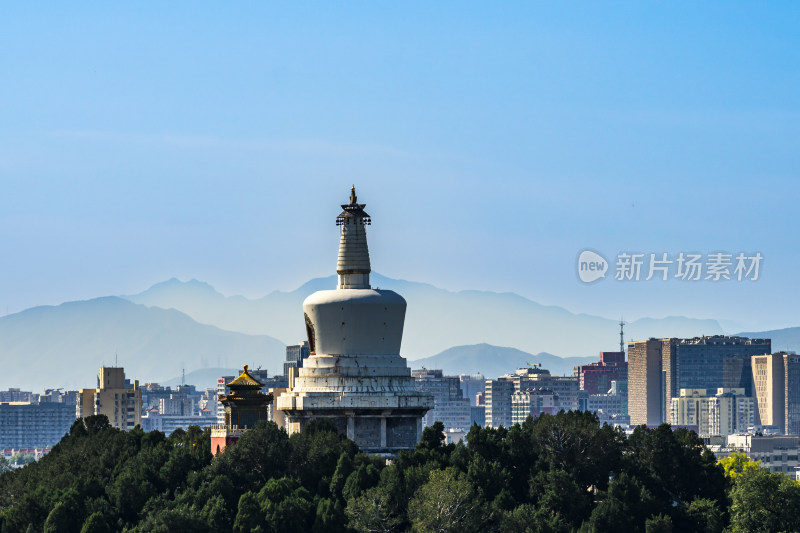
(491, 144)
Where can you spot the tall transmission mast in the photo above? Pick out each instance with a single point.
(621, 336)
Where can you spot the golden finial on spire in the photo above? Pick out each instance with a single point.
(353, 197)
(245, 368)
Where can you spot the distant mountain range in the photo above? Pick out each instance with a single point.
(493, 361)
(176, 325)
(436, 319)
(787, 339)
(64, 345)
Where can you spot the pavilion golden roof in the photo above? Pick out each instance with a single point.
(245, 380)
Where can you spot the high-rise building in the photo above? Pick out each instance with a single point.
(533, 402)
(724, 412)
(471, 386)
(34, 425)
(565, 388)
(15, 395)
(498, 395)
(116, 397)
(791, 374)
(690, 409)
(449, 405)
(222, 390)
(596, 378)
(178, 404)
(498, 402)
(770, 389)
(645, 392)
(730, 411)
(295, 355)
(354, 375)
(69, 397)
(611, 407)
(709, 363)
(477, 415)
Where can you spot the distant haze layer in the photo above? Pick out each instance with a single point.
(176, 326)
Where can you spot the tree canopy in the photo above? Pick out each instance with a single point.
(558, 473)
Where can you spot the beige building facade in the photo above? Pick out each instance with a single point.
(770, 389)
(116, 397)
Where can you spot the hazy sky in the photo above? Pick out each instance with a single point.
(491, 144)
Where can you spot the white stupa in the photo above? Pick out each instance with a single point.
(355, 376)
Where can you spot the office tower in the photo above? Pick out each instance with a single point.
(295, 355)
(449, 405)
(709, 363)
(770, 389)
(791, 374)
(644, 382)
(472, 385)
(498, 402)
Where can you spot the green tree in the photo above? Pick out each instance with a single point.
(558, 492)
(528, 518)
(658, 524)
(626, 506)
(344, 467)
(374, 511)
(735, 464)
(315, 452)
(249, 517)
(63, 518)
(365, 476)
(764, 502)
(704, 516)
(95, 523)
(674, 466)
(432, 437)
(330, 517)
(446, 503)
(574, 442)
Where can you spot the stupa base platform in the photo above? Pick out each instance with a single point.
(378, 431)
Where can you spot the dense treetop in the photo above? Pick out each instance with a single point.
(561, 473)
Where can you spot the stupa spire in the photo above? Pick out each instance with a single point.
(353, 265)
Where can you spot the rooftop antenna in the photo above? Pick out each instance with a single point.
(621, 336)
(183, 376)
(116, 357)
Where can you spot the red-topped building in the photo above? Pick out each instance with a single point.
(596, 378)
(245, 405)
